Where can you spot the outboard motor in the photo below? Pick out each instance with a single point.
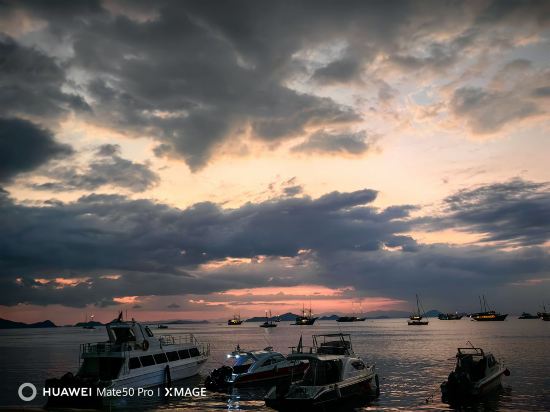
(217, 380)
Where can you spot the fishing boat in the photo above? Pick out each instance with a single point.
(476, 373)
(334, 377)
(526, 315)
(236, 320)
(269, 323)
(416, 318)
(307, 317)
(486, 314)
(132, 357)
(449, 316)
(252, 368)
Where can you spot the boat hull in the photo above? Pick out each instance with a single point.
(355, 392)
(491, 318)
(457, 392)
(417, 322)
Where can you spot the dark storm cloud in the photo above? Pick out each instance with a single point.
(335, 143)
(515, 213)
(193, 74)
(31, 83)
(108, 168)
(24, 146)
(153, 243)
(335, 240)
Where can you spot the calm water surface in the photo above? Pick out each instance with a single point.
(411, 361)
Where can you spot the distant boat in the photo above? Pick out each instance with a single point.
(350, 318)
(544, 315)
(159, 326)
(526, 315)
(416, 318)
(449, 316)
(236, 320)
(307, 317)
(487, 315)
(268, 322)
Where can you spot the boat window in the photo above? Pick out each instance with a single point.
(184, 353)
(160, 358)
(194, 352)
(123, 335)
(358, 365)
(147, 360)
(491, 361)
(268, 362)
(148, 332)
(172, 356)
(133, 363)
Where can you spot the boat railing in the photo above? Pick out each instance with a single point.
(104, 347)
(188, 338)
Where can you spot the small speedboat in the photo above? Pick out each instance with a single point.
(476, 373)
(335, 376)
(160, 326)
(252, 368)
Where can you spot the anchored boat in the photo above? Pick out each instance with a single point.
(449, 316)
(236, 320)
(486, 314)
(334, 376)
(416, 318)
(307, 317)
(252, 368)
(526, 315)
(132, 357)
(476, 373)
(269, 323)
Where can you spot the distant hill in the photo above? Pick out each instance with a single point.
(287, 317)
(181, 322)
(432, 313)
(330, 317)
(9, 324)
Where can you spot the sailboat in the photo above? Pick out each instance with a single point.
(351, 318)
(486, 314)
(307, 317)
(268, 321)
(416, 318)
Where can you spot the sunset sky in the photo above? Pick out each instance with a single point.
(195, 159)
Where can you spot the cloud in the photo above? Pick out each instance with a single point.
(32, 84)
(195, 77)
(336, 143)
(108, 168)
(514, 213)
(25, 146)
(511, 96)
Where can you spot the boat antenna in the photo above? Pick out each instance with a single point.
(471, 344)
(480, 305)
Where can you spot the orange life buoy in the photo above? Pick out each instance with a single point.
(145, 344)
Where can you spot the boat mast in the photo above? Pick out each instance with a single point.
(417, 305)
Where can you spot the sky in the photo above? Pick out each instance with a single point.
(192, 159)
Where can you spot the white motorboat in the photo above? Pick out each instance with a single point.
(334, 376)
(253, 368)
(476, 373)
(132, 357)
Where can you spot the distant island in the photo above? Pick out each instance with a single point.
(178, 322)
(9, 324)
(287, 317)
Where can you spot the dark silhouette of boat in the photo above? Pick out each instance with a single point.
(487, 315)
(416, 318)
(307, 317)
(449, 316)
(351, 318)
(526, 315)
(236, 320)
(544, 315)
(269, 323)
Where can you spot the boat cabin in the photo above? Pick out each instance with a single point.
(474, 362)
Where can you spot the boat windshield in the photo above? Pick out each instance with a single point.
(243, 363)
(322, 373)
